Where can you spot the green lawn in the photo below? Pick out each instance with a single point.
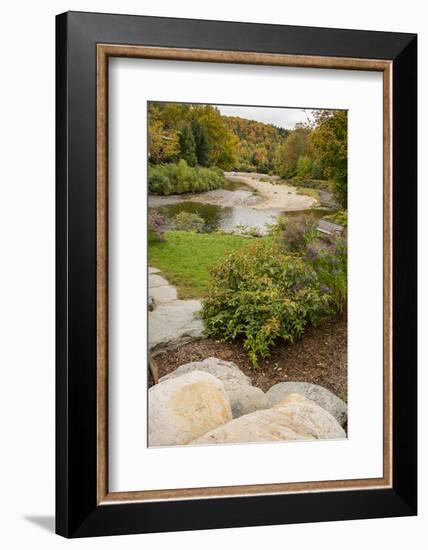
(185, 258)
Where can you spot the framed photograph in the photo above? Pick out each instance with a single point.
(236, 274)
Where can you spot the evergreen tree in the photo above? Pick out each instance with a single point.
(188, 146)
(202, 147)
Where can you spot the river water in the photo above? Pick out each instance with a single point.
(225, 209)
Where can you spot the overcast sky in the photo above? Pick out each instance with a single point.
(285, 118)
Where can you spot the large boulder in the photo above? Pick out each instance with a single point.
(295, 418)
(226, 371)
(246, 399)
(322, 397)
(243, 397)
(186, 407)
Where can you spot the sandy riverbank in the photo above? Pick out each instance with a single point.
(273, 195)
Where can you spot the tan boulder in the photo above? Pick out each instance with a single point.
(243, 397)
(184, 408)
(294, 418)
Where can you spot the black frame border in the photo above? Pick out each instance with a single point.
(77, 512)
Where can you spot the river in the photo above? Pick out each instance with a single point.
(253, 200)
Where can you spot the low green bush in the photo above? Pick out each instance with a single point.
(245, 230)
(328, 258)
(167, 179)
(188, 221)
(261, 294)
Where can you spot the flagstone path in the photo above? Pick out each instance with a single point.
(172, 321)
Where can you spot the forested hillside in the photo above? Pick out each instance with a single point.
(257, 143)
(196, 136)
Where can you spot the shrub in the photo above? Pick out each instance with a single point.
(160, 180)
(156, 225)
(261, 294)
(297, 232)
(330, 264)
(188, 221)
(245, 230)
(166, 179)
(327, 258)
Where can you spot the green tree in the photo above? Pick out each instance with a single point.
(287, 155)
(316, 171)
(222, 142)
(330, 144)
(202, 147)
(173, 114)
(304, 167)
(187, 145)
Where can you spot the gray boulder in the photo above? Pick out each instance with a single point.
(323, 397)
(246, 399)
(226, 371)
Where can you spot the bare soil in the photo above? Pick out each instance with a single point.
(318, 357)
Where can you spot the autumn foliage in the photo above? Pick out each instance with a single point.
(202, 137)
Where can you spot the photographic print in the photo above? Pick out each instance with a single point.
(247, 271)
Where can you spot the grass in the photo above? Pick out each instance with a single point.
(185, 258)
(325, 185)
(314, 193)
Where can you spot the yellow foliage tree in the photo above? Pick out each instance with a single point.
(164, 144)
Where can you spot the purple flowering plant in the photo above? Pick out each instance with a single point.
(156, 225)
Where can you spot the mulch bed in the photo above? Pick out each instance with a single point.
(319, 357)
